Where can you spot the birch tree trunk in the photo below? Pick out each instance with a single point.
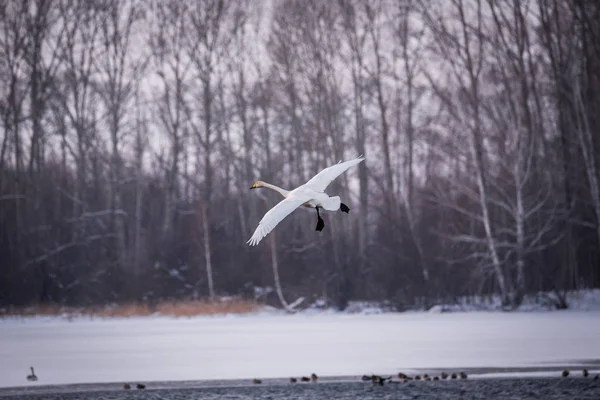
(409, 65)
(119, 75)
(206, 45)
(275, 265)
(373, 16)
(207, 251)
(356, 39)
(140, 146)
(278, 288)
(476, 144)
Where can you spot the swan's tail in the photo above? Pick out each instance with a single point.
(332, 203)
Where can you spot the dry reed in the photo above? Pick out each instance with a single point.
(189, 308)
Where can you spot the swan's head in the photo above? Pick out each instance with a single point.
(257, 185)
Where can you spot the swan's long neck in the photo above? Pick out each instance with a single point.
(32, 371)
(281, 191)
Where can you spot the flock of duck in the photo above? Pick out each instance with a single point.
(313, 378)
(585, 373)
(402, 378)
(127, 386)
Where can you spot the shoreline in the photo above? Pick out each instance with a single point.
(580, 300)
(327, 388)
(479, 373)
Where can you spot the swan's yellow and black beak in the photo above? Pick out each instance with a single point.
(253, 186)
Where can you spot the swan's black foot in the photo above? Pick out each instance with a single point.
(344, 208)
(320, 224)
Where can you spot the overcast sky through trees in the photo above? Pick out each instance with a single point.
(130, 132)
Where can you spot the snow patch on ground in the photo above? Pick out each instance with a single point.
(583, 300)
(283, 345)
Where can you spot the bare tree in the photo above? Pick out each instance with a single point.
(208, 42)
(173, 67)
(356, 37)
(14, 41)
(41, 20)
(378, 73)
(118, 73)
(586, 141)
(77, 55)
(410, 48)
(466, 62)
(513, 42)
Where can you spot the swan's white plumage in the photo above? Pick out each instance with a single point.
(332, 203)
(320, 181)
(311, 193)
(275, 215)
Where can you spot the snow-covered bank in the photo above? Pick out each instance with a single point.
(581, 300)
(227, 347)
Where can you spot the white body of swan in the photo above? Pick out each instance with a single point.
(311, 194)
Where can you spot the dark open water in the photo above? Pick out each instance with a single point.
(508, 388)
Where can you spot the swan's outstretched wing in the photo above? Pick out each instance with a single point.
(275, 215)
(320, 181)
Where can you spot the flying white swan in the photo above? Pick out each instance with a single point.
(311, 194)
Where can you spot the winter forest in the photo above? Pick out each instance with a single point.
(131, 132)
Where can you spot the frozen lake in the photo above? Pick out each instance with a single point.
(241, 347)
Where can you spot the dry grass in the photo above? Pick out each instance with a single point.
(173, 309)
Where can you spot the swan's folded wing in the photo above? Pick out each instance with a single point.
(320, 181)
(275, 215)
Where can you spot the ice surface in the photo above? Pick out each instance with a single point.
(160, 348)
